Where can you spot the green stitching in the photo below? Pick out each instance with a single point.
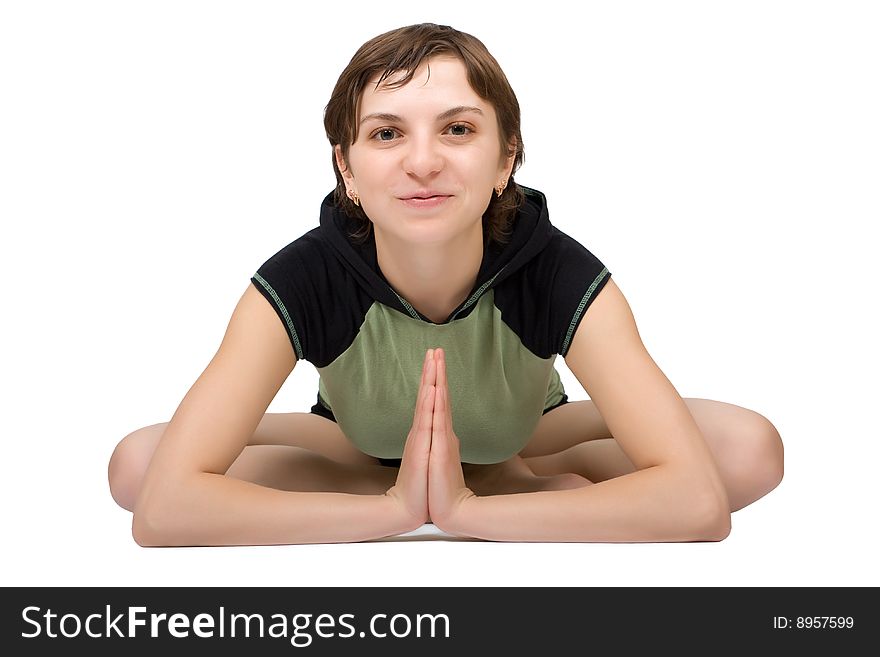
(296, 344)
(412, 311)
(476, 295)
(580, 309)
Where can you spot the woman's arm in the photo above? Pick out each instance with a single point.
(213, 509)
(657, 504)
(676, 493)
(186, 498)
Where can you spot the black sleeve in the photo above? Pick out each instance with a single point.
(287, 281)
(579, 277)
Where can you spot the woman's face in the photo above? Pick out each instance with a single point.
(425, 150)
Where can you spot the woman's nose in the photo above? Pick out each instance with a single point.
(423, 156)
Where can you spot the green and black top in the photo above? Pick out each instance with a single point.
(368, 343)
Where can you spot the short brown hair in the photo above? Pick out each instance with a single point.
(404, 49)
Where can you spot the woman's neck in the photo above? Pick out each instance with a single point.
(435, 279)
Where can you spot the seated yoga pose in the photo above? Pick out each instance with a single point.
(433, 298)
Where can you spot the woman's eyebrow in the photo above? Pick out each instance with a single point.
(453, 111)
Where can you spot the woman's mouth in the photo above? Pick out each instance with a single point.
(429, 202)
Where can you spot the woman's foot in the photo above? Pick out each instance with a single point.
(514, 476)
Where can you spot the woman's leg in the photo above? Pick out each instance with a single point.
(747, 447)
(281, 454)
(307, 452)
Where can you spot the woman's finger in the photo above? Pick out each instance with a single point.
(424, 405)
(429, 356)
(443, 408)
(427, 376)
(444, 384)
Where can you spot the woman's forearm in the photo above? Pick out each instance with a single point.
(657, 504)
(213, 509)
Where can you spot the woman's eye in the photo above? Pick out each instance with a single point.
(386, 131)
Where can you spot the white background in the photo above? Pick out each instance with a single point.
(720, 158)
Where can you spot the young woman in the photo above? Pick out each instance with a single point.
(433, 299)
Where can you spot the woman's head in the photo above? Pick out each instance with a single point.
(418, 73)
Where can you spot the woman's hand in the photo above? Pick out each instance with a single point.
(411, 489)
(447, 491)
(431, 485)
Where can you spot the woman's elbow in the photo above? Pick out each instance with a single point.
(156, 522)
(146, 527)
(715, 520)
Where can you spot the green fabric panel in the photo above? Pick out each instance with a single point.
(498, 388)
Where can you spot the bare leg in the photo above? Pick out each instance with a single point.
(277, 457)
(285, 467)
(747, 447)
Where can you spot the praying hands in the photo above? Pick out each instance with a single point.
(431, 485)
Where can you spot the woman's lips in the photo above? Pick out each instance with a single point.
(432, 202)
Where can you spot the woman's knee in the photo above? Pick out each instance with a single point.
(129, 461)
(758, 466)
(771, 453)
(747, 448)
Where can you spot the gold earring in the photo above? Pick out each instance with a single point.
(354, 197)
(500, 189)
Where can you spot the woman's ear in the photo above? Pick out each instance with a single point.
(507, 165)
(340, 162)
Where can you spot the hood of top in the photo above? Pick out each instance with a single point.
(531, 231)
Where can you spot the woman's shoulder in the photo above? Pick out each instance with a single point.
(308, 245)
(565, 256)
